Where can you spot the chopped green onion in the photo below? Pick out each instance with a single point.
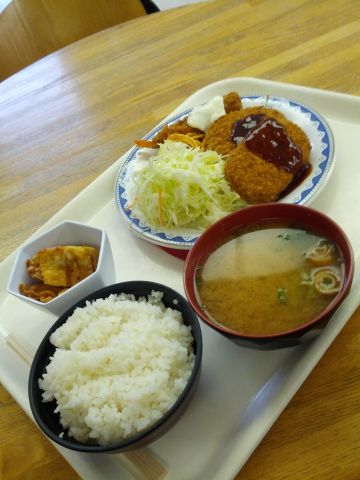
(306, 279)
(284, 236)
(282, 295)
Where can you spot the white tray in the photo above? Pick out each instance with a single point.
(242, 391)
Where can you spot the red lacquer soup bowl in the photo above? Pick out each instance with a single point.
(270, 275)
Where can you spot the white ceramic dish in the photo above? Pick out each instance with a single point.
(66, 233)
(226, 420)
(321, 159)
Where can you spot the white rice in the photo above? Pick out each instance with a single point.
(119, 365)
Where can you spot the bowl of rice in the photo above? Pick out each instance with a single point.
(117, 369)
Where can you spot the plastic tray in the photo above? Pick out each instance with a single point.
(242, 392)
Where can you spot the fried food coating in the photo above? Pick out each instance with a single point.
(232, 102)
(218, 135)
(253, 178)
(256, 180)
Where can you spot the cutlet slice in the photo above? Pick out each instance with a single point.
(218, 135)
(254, 179)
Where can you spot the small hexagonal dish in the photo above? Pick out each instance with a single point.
(65, 233)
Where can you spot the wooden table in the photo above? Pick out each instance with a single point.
(65, 119)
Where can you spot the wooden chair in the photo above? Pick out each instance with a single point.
(31, 29)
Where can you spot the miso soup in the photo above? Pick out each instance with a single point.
(269, 280)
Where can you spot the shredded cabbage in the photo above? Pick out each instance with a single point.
(183, 187)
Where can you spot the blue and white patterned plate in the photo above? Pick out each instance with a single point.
(321, 159)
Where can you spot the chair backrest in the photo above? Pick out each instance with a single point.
(31, 29)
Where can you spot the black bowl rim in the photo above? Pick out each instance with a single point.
(131, 442)
(285, 208)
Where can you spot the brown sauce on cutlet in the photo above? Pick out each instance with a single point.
(303, 173)
(270, 142)
(246, 125)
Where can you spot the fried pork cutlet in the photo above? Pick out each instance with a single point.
(218, 135)
(269, 156)
(266, 152)
(256, 180)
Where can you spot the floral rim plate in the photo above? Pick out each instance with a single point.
(321, 159)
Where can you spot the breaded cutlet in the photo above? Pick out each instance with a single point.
(218, 135)
(254, 179)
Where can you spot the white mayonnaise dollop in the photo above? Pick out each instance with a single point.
(203, 116)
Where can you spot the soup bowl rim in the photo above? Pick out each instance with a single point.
(273, 212)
